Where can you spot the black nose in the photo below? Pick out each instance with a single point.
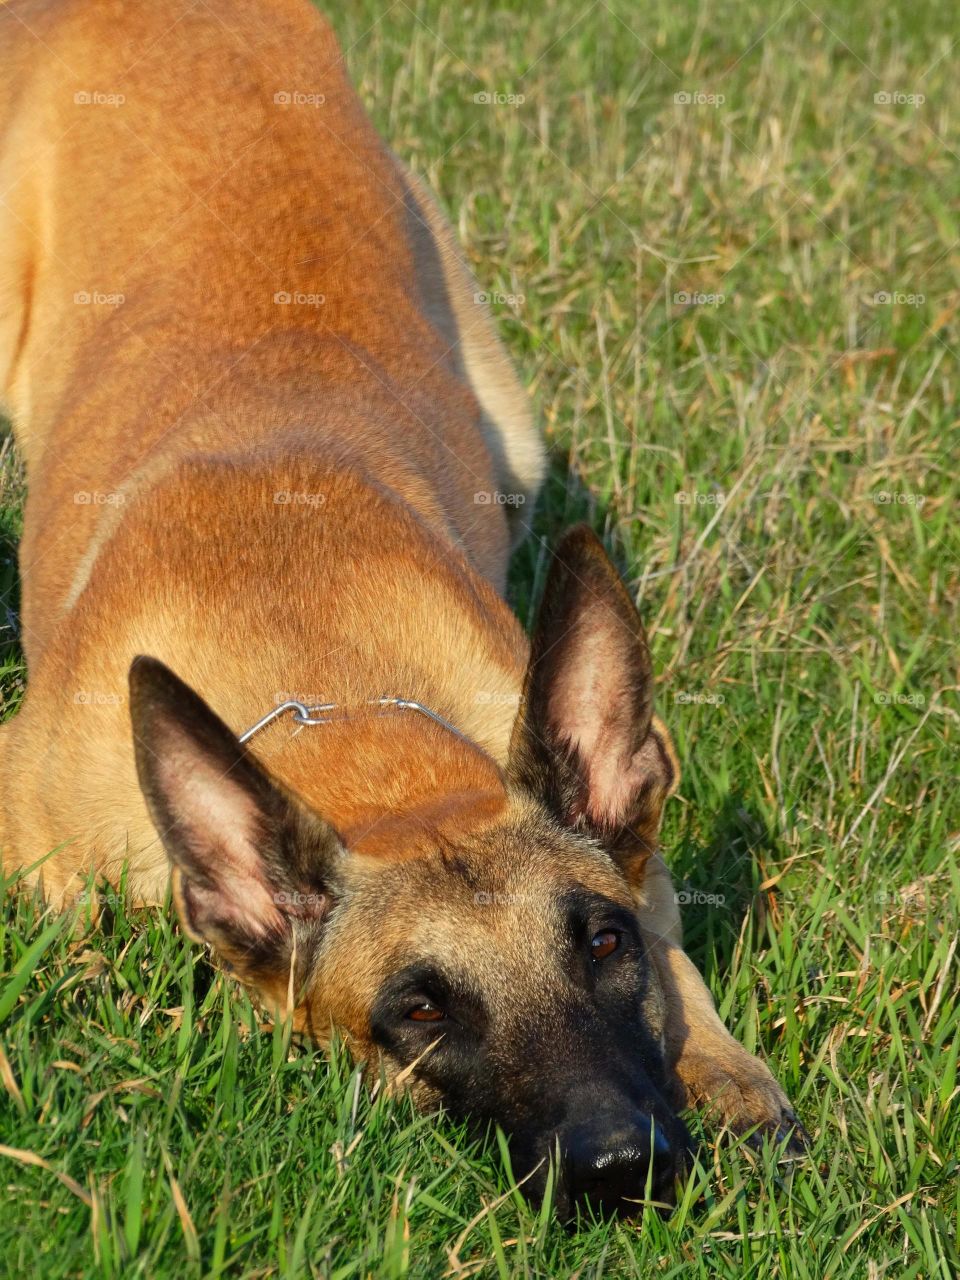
(608, 1171)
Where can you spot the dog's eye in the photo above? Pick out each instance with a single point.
(425, 1012)
(604, 943)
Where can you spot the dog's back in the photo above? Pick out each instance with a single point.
(257, 399)
(204, 165)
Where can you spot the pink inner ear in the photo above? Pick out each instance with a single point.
(221, 824)
(592, 706)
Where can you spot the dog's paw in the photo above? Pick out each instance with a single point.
(741, 1095)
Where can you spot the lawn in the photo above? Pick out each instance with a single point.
(722, 245)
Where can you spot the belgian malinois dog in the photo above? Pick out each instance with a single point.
(273, 443)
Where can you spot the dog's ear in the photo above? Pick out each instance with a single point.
(255, 873)
(586, 740)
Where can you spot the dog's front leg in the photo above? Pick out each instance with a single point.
(710, 1069)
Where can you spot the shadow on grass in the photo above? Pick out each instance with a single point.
(564, 501)
(11, 525)
(718, 879)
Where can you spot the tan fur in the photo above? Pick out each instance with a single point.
(713, 1070)
(158, 433)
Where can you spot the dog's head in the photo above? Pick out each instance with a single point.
(502, 971)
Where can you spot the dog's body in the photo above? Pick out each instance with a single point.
(276, 465)
(200, 403)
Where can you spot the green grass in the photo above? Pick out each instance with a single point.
(805, 631)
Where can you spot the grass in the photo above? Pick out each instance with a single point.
(777, 472)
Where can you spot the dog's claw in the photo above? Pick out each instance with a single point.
(789, 1135)
(796, 1141)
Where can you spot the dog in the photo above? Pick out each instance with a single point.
(276, 461)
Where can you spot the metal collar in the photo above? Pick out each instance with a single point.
(320, 714)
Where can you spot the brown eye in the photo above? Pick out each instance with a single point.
(426, 1012)
(604, 944)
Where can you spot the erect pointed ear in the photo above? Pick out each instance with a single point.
(586, 740)
(255, 873)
